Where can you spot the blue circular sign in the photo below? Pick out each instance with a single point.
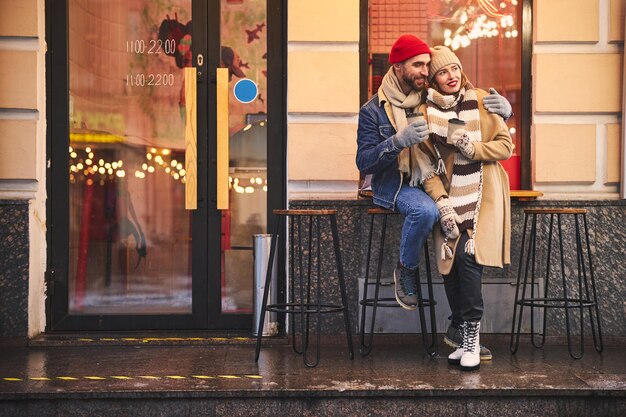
(246, 90)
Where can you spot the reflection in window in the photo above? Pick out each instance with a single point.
(243, 38)
(130, 235)
(485, 35)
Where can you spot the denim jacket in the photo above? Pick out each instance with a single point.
(376, 153)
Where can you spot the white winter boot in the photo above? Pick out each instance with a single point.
(455, 357)
(470, 360)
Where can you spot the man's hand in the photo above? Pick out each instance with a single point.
(498, 104)
(416, 132)
(448, 219)
(463, 143)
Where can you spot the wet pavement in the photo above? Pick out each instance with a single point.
(397, 367)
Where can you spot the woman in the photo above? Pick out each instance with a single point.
(471, 190)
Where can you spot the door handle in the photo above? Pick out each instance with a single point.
(191, 140)
(222, 138)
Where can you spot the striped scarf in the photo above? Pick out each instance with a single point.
(467, 175)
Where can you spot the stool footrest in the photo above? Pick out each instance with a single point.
(555, 302)
(309, 308)
(382, 302)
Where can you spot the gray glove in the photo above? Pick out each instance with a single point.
(416, 132)
(498, 104)
(448, 219)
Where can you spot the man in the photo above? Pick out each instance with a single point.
(388, 127)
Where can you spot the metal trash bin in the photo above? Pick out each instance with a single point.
(261, 245)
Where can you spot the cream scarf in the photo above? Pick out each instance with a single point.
(411, 161)
(467, 175)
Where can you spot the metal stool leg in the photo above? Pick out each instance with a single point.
(297, 251)
(366, 348)
(268, 278)
(515, 333)
(318, 306)
(565, 299)
(431, 348)
(597, 341)
(342, 285)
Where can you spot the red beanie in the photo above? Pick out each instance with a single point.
(407, 46)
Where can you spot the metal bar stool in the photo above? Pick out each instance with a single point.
(366, 346)
(579, 300)
(303, 303)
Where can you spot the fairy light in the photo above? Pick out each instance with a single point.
(481, 20)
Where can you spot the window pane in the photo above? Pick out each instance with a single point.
(130, 235)
(244, 51)
(485, 35)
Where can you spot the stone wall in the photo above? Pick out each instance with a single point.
(14, 268)
(606, 221)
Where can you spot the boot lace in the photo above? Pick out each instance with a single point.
(407, 281)
(471, 334)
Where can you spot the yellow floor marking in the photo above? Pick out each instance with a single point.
(125, 377)
(162, 339)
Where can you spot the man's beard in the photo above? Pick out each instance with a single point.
(411, 82)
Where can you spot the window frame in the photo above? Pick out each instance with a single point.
(526, 80)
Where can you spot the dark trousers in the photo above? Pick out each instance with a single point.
(463, 286)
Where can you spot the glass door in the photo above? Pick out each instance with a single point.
(158, 170)
(241, 151)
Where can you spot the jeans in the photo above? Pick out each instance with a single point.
(463, 286)
(420, 214)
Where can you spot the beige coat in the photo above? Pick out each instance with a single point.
(493, 230)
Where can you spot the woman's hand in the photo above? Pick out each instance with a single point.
(448, 219)
(463, 143)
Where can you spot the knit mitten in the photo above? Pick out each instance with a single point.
(448, 219)
(463, 143)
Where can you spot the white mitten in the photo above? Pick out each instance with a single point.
(448, 219)
(463, 143)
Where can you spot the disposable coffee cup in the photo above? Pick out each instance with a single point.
(453, 125)
(414, 117)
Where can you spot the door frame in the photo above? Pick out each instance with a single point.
(206, 286)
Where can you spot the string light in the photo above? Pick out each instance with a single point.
(481, 19)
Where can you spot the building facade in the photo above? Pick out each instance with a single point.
(68, 78)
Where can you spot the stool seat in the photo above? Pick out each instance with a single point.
(380, 210)
(376, 301)
(555, 210)
(306, 212)
(581, 297)
(305, 276)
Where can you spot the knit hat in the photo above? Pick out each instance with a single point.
(439, 58)
(405, 47)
